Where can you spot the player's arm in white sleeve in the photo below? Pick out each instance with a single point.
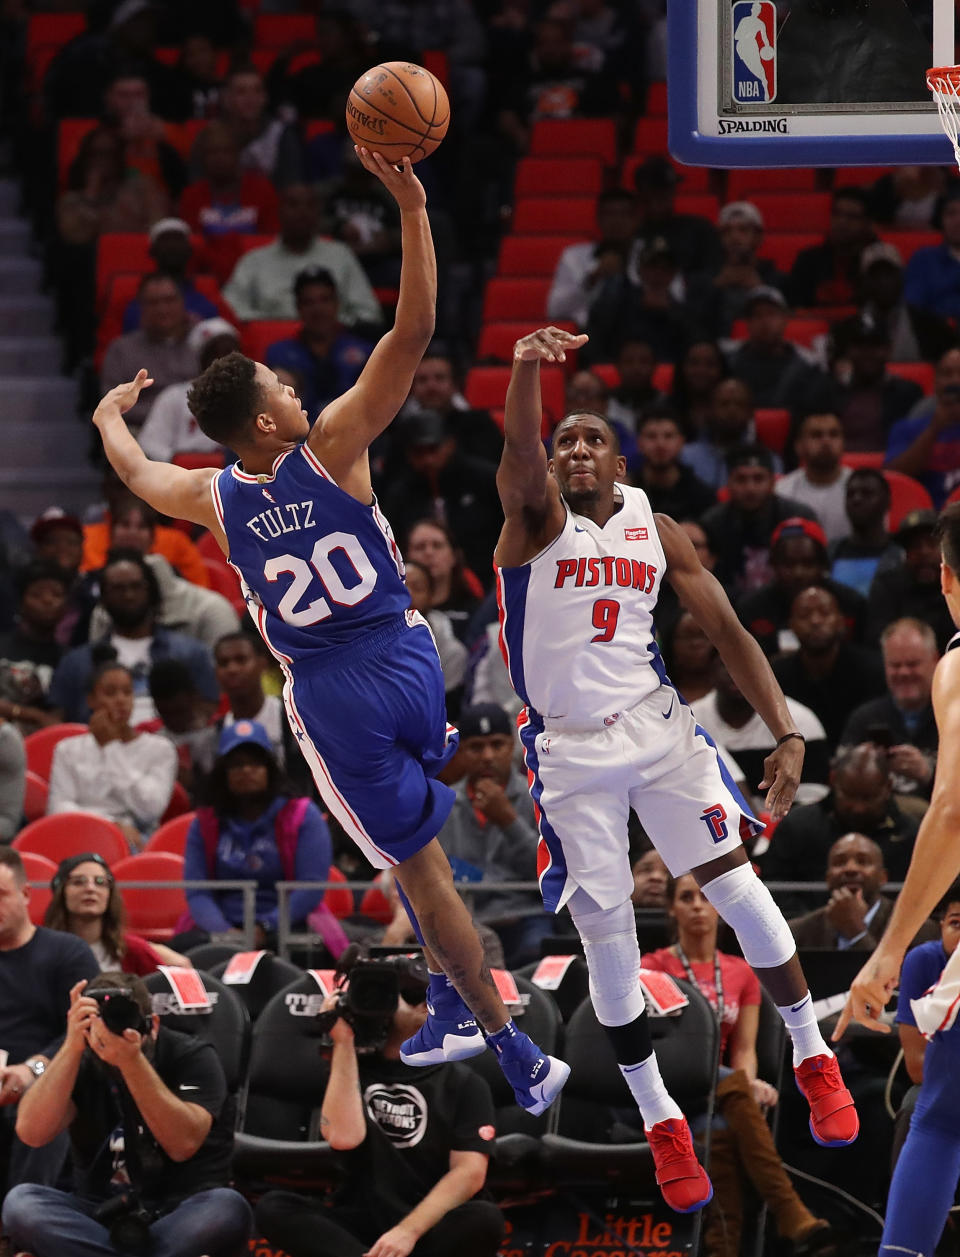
(703, 596)
(345, 428)
(529, 495)
(933, 864)
(169, 489)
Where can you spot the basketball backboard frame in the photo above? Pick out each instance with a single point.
(706, 128)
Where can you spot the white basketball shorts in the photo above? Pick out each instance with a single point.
(585, 776)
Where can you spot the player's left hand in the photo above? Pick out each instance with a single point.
(398, 178)
(397, 1242)
(781, 776)
(123, 397)
(870, 991)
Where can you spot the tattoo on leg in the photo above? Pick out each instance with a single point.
(470, 974)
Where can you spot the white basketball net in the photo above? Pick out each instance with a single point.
(944, 82)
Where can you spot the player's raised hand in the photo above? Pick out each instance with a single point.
(123, 397)
(397, 177)
(549, 344)
(869, 992)
(781, 776)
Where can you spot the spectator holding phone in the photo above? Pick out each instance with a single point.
(901, 721)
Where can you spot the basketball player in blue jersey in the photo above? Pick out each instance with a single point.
(580, 562)
(323, 579)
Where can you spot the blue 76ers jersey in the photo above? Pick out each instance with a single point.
(318, 567)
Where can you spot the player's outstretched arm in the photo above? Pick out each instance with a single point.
(346, 426)
(529, 495)
(169, 489)
(703, 596)
(934, 864)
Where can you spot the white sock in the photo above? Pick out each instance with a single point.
(646, 1086)
(801, 1021)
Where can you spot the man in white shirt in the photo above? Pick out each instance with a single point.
(261, 286)
(170, 428)
(728, 718)
(820, 481)
(582, 268)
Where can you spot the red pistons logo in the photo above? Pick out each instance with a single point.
(590, 573)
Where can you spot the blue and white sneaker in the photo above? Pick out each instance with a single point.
(536, 1078)
(450, 1032)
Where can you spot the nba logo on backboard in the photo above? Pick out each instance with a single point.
(754, 34)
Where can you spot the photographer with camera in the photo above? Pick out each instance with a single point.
(415, 1141)
(151, 1137)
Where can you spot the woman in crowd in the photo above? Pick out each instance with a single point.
(456, 589)
(114, 771)
(741, 1143)
(252, 830)
(86, 902)
(452, 652)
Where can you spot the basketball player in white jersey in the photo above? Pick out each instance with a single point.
(936, 852)
(580, 562)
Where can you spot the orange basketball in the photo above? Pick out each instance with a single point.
(399, 110)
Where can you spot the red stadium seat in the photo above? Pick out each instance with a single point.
(497, 340)
(35, 796)
(802, 331)
(171, 835)
(152, 911)
(259, 334)
(575, 137)
(794, 211)
(773, 427)
(486, 388)
(906, 494)
(72, 833)
(782, 249)
(318, 126)
(178, 805)
(53, 28)
(662, 377)
(703, 204)
(908, 242)
(506, 299)
(207, 544)
(744, 185)
(338, 899)
(532, 255)
(863, 458)
(544, 216)
(656, 100)
(438, 63)
(650, 136)
(183, 135)
(376, 905)
(38, 869)
(608, 372)
(120, 253)
(223, 580)
(194, 460)
(921, 373)
(859, 176)
(39, 746)
(954, 497)
(282, 30)
(558, 176)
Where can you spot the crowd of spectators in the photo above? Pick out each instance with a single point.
(807, 470)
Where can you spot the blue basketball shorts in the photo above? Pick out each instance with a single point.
(373, 728)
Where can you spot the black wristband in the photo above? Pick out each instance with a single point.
(787, 736)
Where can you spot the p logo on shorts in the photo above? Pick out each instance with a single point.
(753, 33)
(715, 819)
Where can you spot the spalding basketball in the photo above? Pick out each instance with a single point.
(399, 110)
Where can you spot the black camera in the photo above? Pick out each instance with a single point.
(372, 993)
(128, 1223)
(119, 1010)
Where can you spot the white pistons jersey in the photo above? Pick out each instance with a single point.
(576, 622)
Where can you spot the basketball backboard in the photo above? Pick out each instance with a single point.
(806, 82)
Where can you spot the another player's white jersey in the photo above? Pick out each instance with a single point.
(576, 622)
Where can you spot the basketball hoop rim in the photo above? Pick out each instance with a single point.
(943, 74)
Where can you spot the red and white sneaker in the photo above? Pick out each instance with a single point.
(833, 1118)
(682, 1179)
